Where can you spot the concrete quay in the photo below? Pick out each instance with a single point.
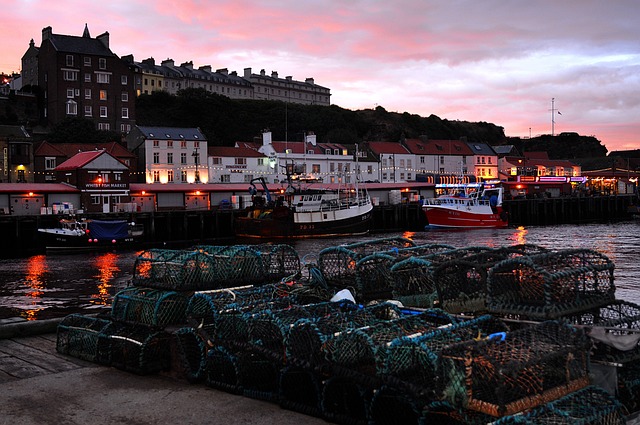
(39, 386)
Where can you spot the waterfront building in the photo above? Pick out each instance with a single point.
(16, 155)
(47, 156)
(238, 165)
(169, 154)
(484, 161)
(395, 160)
(102, 179)
(82, 77)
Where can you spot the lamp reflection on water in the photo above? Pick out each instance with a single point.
(105, 264)
(36, 268)
(519, 235)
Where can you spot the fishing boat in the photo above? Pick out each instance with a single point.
(303, 209)
(89, 234)
(470, 205)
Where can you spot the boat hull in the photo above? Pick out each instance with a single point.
(457, 218)
(288, 228)
(60, 242)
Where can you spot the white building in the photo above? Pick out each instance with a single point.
(238, 165)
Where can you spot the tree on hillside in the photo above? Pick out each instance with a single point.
(80, 130)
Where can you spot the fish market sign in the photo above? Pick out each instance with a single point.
(106, 185)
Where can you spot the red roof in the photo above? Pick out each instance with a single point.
(37, 188)
(387, 147)
(79, 160)
(438, 147)
(234, 152)
(70, 149)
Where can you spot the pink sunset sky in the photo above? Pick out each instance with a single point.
(492, 60)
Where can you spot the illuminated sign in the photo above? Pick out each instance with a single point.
(553, 179)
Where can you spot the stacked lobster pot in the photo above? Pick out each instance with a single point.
(139, 334)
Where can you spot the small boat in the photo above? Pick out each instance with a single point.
(299, 212)
(471, 205)
(89, 234)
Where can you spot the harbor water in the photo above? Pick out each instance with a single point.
(50, 286)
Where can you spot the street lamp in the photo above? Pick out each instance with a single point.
(196, 158)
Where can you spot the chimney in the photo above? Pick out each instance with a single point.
(309, 81)
(247, 73)
(188, 65)
(289, 77)
(150, 61)
(168, 62)
(206, 68)
(311, 138)
(274, 74)
(262, 72)
(104, 38)
(266, 137)
(223, 71)
(46, 33)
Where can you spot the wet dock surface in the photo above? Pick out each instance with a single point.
(40, 386)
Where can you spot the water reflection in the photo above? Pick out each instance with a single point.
(34, 280)
(519, 236)
(106, 265)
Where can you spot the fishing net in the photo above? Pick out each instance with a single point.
(362, 352)
(614, 330)
(152, 307)
(587, 406)
(550, 285)
(373, 277)
(412, 363)
(221, 370)
(79, 335)
(515, 371)
(306, 337)
(135, 348)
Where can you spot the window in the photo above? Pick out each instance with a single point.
(125, 128)
(483, 159)
(169, 143)
(408, 163)
(327, 151)
(248, 178)
(123, 79)
(87, 78)
(70, 93)
(103, 111)
(170, 176)
(88, 111)
(442, 162)
(169, 157)
(183, 158)
(196, 145)
(422, 160)
(216, 160)
(125, 112)
(49, 163)
(72, 107)
(332, 167)
(478, 160)
(156, 176)
(241, 161)
(260, 161)
(69, 60)
(102, 63)
(402, 163)
(225, 178)
(156, 157)
(104, 126)
(87, 93)
(336, 151)
(103, 77)
(95, 199)
(488, 160)
(70, 75)
(369, 169)
(117, 177)
(87, 61)
(183, 176)
(183, 144)
(124, 96)
(156, 143)
(103, 95)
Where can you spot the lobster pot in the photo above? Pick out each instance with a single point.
(338, 263)
(268, 329)
(614, 331)
(588, 406)
(518, 370)
(280, 261)
(204, 306)
(175, 270)
(413, 284)
(152, 307)
(421, 250)
(300, 390)
(259, 375)
(240, 265)
(551, 285)
(135, 348)
(345, 401)
(363, 351)
(191, 354)
(628, 391)
(390, 406)
(373, 277)
(445, 256)
(306, 337)
(462, 284)
(78, 336)
(222, 370)
(412, 363)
